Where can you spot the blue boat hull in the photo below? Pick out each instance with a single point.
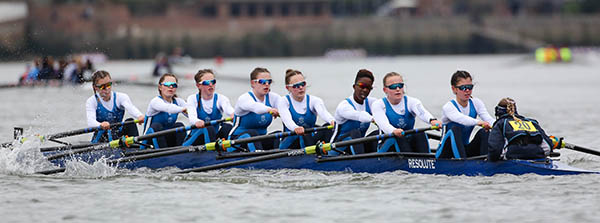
(370, 163)
(385, 163)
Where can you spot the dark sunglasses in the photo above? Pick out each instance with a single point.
(364, 86)
(208, 82)
(297, 85)
(465, 87)
(395, 86)
(170, 84)
(263, 81)
(104, 86)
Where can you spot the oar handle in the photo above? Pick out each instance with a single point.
(126, 141)
(228, 143)
(329, 146)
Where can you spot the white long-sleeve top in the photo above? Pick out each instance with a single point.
(123, 101)
(246, 104)
(316, 106)
(414, 106)
(345, 111)
(158, 105)
(223, 105)
(450, 113)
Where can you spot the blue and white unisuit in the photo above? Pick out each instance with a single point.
(350, 125)
(258, 122)
(306, 120)
(167, 120)
(406, 121)
(113, 116)
(465, 130)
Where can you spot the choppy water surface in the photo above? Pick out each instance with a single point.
(563, 97)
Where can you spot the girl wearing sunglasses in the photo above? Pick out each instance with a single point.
(205, 106)
(396, 112)
(106, 107)
(162, 113)
(255, 110)
(353, 115)
(299, 110)
(460, 117)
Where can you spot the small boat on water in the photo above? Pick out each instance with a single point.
(369, 163)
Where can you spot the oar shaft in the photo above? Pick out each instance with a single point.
(277, 135)
(582, 149)
(282, 154)
(87, 130)
(67, 147)
(131, 140)
(378, 137)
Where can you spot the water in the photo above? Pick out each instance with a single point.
(563, 97)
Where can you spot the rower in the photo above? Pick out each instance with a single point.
(206, 106)
(516, 137)
(396, 112)
(353, 115)
(255, 110)
(459, 119)
(299, 110)
(106, 107)
(162, 113)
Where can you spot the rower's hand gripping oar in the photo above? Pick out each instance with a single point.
(316, 149)
(224, 144)
(559, 143)
(128, 141)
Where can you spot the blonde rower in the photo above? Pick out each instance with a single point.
(299, 110)
(396, 112)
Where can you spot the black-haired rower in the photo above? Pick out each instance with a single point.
(106, 107)
(299, 110)
(353, 115)
(396, 112)
(516, 137)
(206, 106)
(255, 110)
(459, 117)
(163, 111)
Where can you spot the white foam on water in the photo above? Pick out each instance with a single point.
(23, 158)
(98, 169)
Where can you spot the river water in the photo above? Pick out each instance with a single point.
(563, 97)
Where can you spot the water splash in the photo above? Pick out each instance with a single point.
(23, 159)
(97, 169)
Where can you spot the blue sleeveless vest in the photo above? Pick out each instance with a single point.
(466, 130)
(202, 115)
(405, 122)
(353, 124)
(164, 118)
(306, 120)
(253, 120)
(104, 115)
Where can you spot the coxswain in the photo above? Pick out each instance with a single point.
(396, 112)
(459, 117)
(299, 110)
(206, 106)
(107, 107)
(255, 110)
(163, 111)
(353, 115)
(516, 137)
